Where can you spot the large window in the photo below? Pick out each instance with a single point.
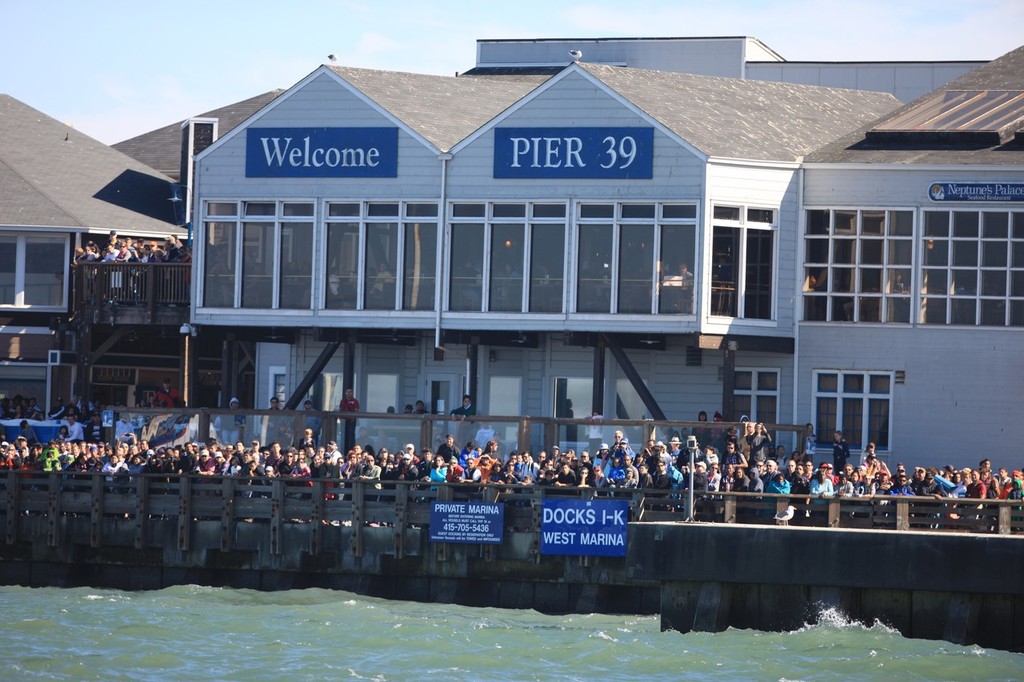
(742, 262)
(507, 257)
(381, 255)
(261, 254)
(276, 254)
(972, 268)
(757, 394)
(33, 270)
(857, 403)
(858, 266)
(635, 258)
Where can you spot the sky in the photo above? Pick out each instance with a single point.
(114, 69)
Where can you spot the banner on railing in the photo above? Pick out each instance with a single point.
(584, 528)
(467, 522)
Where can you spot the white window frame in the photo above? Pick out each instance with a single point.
(842, 396)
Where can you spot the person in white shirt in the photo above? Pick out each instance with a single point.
(76, 434)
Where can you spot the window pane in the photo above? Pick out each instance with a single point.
(936, 224)
(727, 213)
(382, 210)
(381, 256)
(828, 383)
(757, 294)
(872, 222)
(219, 265)
(8, 264)
(842, 309)
(764, 216)
(549, 210)
(844, 252)
(901, 252)
(296, 270)
(597, 211)
(638, 210)
(815, 308)
(467, 256)
(421, 210)
(871, 251)
(965, 253)
(965, 224)
(595, 267)
(879, 383)
(853, 422)
(871, 280)
(933, 281)
(853, 383)
(767, 381)
(547, 268)
(636, 268)
(845, 222)
(265, 208)
(679, 211)
(993, 254)
(509, 210)
(993, 313)
(767, 409)
(996, 225)
(222, 208)
(901, 223)
(817, 222)
(964, 312)
(677, 253)
(869, 309)
(419, 271)
(933, 310)
(343, 210)
(825, 411)
(258, 265)
(993, 283)
(816, 250)
(744, 381)
(507, 268)
(45, 263)
(965, 282)
(298, 210)
(878, 424)
(342, 265)
(468, 210)
(726, 250)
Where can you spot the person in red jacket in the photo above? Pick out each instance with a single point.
(167, 396)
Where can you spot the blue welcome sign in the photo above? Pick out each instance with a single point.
(584, 528)
(321, 153)
(590, 153)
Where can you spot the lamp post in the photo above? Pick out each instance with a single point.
(187, 332)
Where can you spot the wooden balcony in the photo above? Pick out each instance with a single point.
(132, 293)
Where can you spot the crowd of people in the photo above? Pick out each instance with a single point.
(746, 459)
(128, 250)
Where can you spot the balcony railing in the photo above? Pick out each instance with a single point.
(110, 291)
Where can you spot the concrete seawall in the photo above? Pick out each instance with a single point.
(962, 588)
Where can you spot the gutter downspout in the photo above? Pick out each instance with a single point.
(441, 250)
(798, 297)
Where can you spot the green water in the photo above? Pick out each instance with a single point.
(203, 633)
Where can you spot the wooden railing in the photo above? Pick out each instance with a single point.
(360, 504)
(144, 286)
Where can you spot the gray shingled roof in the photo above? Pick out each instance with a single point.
(443, 109)
(54, 176)
(161, 148)
(1005, 73)
(744, 119)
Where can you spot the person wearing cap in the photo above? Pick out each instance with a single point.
(229, 426)
(840, 451)
(167, 396)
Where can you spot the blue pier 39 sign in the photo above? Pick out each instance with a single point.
(582, 528)
(321, 153)
(591, 153)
